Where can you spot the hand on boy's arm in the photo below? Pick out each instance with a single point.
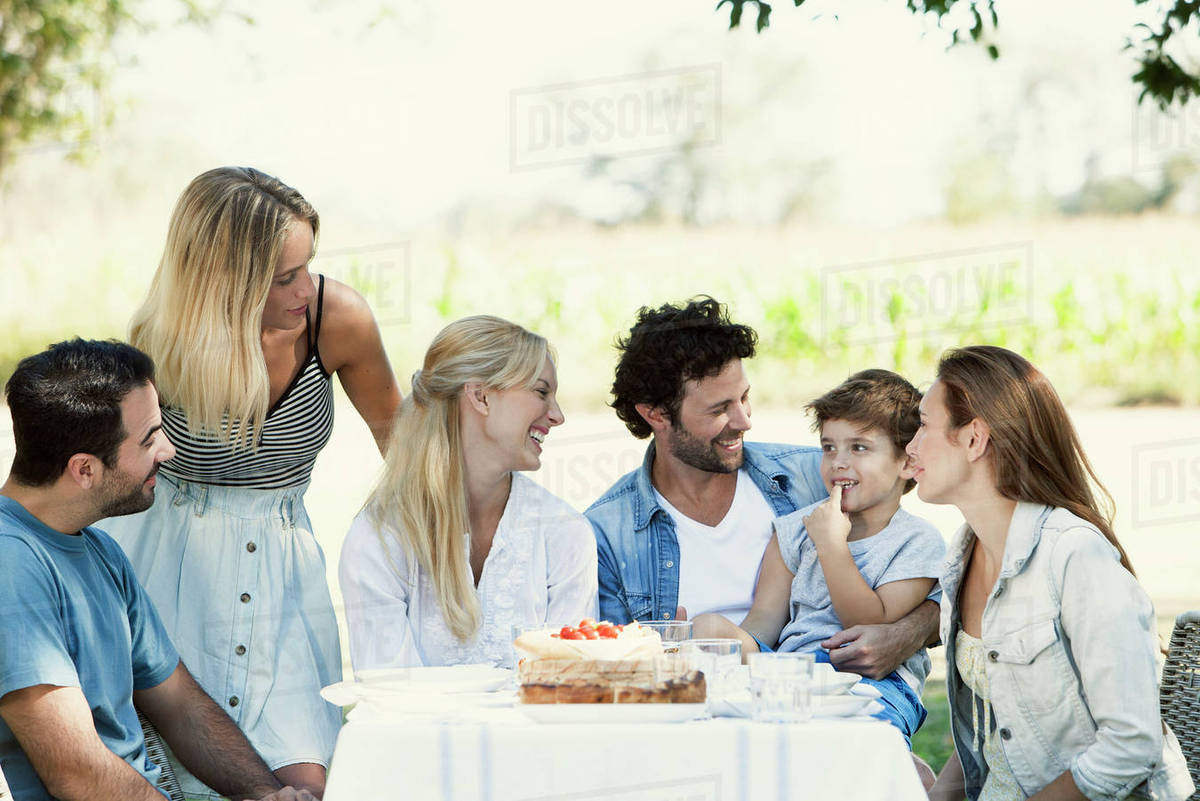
(875, 651)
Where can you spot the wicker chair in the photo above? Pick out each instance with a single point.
(157, 750)
(1179, 698)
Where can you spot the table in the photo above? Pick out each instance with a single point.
(511, 758)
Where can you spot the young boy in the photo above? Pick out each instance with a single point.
(856, 557)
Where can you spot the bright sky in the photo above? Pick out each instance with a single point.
(411, 116)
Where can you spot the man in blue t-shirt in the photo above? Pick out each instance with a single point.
(82, 650)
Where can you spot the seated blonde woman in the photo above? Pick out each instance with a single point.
(455, 546)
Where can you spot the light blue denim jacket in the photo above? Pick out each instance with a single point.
(1070, 641)
(635, 537)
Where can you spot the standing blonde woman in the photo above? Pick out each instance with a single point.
(1050, 642)
(455, 546)
(245, 343)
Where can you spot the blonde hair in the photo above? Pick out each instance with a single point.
(201, 320)
(421, 500)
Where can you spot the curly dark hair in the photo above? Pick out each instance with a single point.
(669, 346)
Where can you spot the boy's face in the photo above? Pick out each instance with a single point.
(864, 462)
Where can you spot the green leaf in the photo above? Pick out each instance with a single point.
(735, 11)
(764, 15)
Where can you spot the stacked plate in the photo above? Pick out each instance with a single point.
(835, 695)
(423, 690)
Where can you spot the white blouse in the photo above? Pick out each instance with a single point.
(541, 570)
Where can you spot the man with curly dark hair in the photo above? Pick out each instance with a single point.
(704, 498)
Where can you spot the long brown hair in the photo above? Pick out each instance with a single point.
(1034, 449)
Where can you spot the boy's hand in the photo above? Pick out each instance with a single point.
(828, 524)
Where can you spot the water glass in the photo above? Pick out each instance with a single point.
(718, 659)
(781, 685)
(672, 632)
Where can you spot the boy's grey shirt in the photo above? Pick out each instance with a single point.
(907, 547)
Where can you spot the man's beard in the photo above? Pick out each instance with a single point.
(703, 455)
(123, 501)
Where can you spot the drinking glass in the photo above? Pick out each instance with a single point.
(717, 659)
(672, 632)
(781, 685)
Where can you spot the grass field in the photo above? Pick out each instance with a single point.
(933, 743)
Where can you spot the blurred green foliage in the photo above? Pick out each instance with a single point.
(55, 62)
(1108, 308)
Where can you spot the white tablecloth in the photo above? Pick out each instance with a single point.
(508, 757)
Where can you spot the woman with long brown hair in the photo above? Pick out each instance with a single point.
(1050, 641)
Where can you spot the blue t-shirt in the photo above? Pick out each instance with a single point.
(72, 614)
(907, 547)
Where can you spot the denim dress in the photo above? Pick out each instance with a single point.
(228, 557)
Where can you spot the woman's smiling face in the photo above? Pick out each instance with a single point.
(520, 418)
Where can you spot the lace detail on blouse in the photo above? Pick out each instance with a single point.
(541, 570)
(506, 571)
(971, 663)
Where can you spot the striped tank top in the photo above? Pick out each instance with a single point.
(295, 430)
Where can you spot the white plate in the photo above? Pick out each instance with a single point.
(834, 683)
(741, 705)
(451, 679)
(612, 713)
(839, 706)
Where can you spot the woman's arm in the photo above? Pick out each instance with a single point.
(770, 611)
(570, 573)
(375, 592)
(352, 347)
(1108, 622)
(1061, 789)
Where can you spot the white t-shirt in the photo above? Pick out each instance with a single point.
(718, 565)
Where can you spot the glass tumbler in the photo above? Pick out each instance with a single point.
(781, 686)
(717, 659)
(672, 632)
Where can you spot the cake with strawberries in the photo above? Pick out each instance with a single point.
(602, 663)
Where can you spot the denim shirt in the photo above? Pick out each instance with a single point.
(1071, 648)
(635, 537)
